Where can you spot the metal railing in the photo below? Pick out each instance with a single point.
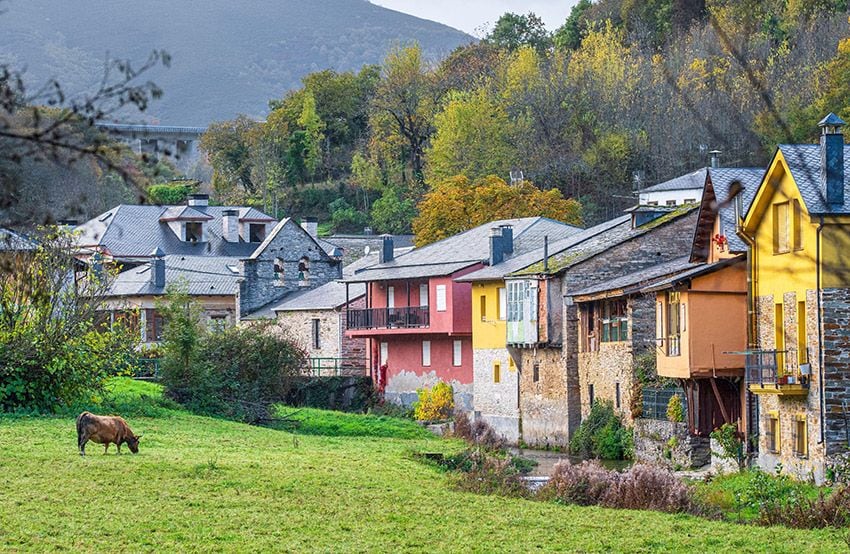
(146, 369)
(775, 367)
(389, 318)
(331, 367)
(655, 401)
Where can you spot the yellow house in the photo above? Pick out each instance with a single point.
(798, 230)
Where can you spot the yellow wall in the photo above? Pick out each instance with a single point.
(489, 332)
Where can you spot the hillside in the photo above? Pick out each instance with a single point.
(228, 57)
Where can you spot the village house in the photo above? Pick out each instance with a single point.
(798, 231)
(418, 317)
(681, 190)
(543, 325)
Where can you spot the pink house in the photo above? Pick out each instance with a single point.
(418, 319)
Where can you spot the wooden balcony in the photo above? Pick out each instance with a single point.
(413, 317)
(777, 372)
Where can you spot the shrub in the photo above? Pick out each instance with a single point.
(434, 404)
(730, 441)
(804, 513)
(487, 474)
(675, 410)
(479, 433)
(170, 194)
(602, 435)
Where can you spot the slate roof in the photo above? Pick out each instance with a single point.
(722, 179)
(11, 241)
(130, 231)
(184, 213)
(689, 273)
(634, 281)
(204, 275)
(804, 163)
(465, 249)
(693, 180)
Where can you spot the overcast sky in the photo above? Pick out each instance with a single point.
(470, 15)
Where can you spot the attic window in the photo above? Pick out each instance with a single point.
(257, 232)
(278, 268)
(233, 269)
(105, 217)
(671, 202)
(194, 231)
(304, 269)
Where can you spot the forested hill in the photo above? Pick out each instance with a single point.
(228, 57)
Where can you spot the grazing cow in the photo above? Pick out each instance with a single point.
(104, 430)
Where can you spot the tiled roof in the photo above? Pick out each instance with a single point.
(204, 275)
(130, 231)
(10, 241)
(722, 179)
(693, 180)
(466, 249)
(804, 162)
(629, 283)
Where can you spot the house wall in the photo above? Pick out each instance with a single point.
(719, 325)
(544, 407)
(210, 306)
(678, 196)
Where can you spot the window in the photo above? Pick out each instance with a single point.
(797, 225)
(690, 200)
(535, 372)
(278, 268)
(194, 231)
(615, 323)
(426, 353)
(674, 324)
(522, 296)
(153, 326)
(497, 372)
(652, 203)
(772, 435)
(801, 438)
(457, 355)
(779, 323)
(781, 231)
(256, 232)
(385, 353)
(441, 298)
(591, 398)
(802, 337)
(588, 332)
(483, 303)
(423, 294)
(304, 269)
(316, 334)
(503, 304)
(671, 202)
(616, 395)
(218, 323)
(390, 297)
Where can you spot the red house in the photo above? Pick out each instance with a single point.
(418, 319)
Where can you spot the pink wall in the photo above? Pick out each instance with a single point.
(405, 354)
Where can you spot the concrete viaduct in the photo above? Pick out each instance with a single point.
(180, 144)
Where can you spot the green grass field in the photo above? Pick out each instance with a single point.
(202, 484)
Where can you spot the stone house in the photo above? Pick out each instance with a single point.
(798, 232)
(418, 315)
(543, 329)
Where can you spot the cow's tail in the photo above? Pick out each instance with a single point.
(80, 421)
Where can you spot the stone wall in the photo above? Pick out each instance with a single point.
(496, 403)
(836, 349)
(604, 369)
(669, 444)
(401, 389)
(544, 406)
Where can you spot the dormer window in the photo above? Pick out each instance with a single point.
(257, 232)
(194, 231)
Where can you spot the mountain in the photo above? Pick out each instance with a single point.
(229, 57)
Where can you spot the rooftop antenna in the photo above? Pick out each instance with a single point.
(516, 177)
(638, 177)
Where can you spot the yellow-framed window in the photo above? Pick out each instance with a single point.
(801, 436)
(773, 432)
(497, 372)
(781, 228)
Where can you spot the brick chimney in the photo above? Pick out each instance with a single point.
(311, 225)
(507, 238)
(230, 225)
(387, 247)
(199, 200)
(157, 275)
(715, 158)
(832, 160)
(497, 247)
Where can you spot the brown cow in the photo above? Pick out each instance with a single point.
(104, 430)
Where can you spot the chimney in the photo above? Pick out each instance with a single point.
(386, 248)
(497, 250)
(311, 225)
(715, 159)
(157, 275)
(832, 160)
(507, 238)
(197, 200)
(97, 266)
(545, 253)
(230, 225)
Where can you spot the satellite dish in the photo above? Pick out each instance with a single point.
(367, 250)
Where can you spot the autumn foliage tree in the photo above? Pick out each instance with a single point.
(458, 204)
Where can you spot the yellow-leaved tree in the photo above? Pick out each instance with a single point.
(457, 204)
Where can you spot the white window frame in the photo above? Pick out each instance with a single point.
(423, 295)
(441, 298)
(503, 303)
(385, 353)
(390, 297)
(457, 353)
(426, 353)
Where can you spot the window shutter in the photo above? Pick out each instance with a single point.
(503, 304)
(426, 353)
(441, 298)
(457, 358)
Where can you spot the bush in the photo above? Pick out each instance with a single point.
(602, 435)
(479, 433)
(730, 441)
(675, 410)
(170, 194)
(345, 218)
(434, 404)
(804, 513)
(487, 474)
(642, 487)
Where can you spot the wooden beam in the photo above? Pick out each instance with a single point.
(719, 400)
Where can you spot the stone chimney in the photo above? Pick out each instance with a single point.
(230, 225)
(507, 238)
(832, 160)
(497, 249)
(311, 225)
(387, 247)
(199, 200)
(715, 159)
(157, 275)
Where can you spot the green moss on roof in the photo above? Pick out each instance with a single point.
(556, 263)
(681, 210)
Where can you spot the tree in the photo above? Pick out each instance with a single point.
(392, 213)
(313, 128)
(570, 34)
(459, 204)
(513, 31)
(229, 144)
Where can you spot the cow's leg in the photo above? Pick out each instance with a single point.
(105, 447)
(82, 444)
(118, 444)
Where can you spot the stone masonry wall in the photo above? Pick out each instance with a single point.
(543, 403)
(496, 403)
(669, 444)
(836, 349)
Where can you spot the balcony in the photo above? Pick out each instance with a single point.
(777, 372)
(414, 317)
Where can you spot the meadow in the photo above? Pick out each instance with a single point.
(335, 483)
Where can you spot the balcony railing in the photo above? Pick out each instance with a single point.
(331, 367)
(389, 318)
(776, 371)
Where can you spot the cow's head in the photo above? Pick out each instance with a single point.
(133, 443)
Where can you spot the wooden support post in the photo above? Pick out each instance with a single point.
(719, 400)
(689, 392)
